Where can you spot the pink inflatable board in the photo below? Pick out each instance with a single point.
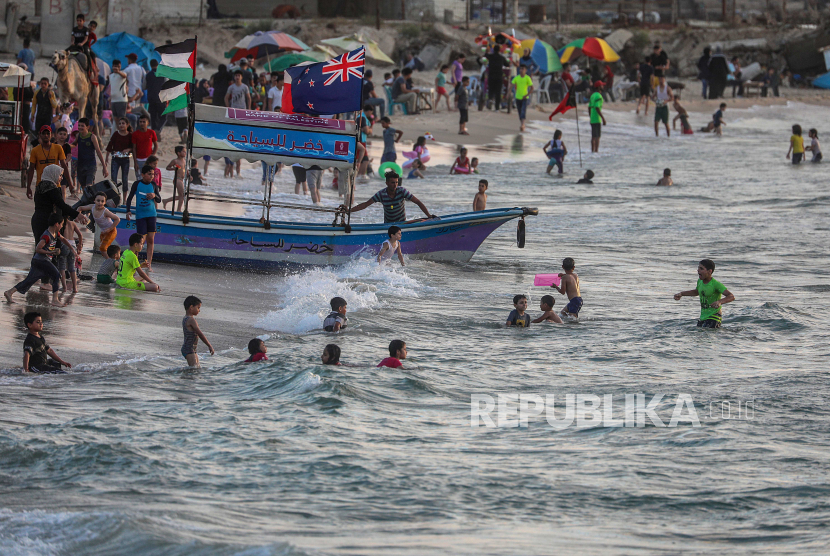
(546, 280)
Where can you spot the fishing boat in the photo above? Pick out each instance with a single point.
(247, 243)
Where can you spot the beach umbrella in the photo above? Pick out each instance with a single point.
(264, 44)
(591, 47)
(118, 45)
(11, 75)
(353, 42)
(326, 52)
(282, 63)
(543, 54)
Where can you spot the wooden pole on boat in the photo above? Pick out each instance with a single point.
(353, 173)
(578, 139)
(191, 116)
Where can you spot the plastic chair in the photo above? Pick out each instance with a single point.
(392, 103)
(543, 89)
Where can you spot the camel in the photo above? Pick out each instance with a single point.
(74, 86)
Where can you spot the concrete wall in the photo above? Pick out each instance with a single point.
(261, 9)
(434, 9)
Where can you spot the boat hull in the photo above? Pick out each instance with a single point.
(245, 244)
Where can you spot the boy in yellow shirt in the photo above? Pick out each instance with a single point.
(130, 265)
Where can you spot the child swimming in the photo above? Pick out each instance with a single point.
(258, 350)
(337, 319)
(517, 316)
(548, 315)
(710, 291)
(331, 355)
(36, 350)
(666, 179)
(589, 175)
(397, 352)
(392, 245)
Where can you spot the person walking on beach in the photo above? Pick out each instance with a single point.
(461, 103)
(46, 154)
(662, 97)
(88, 149)
(595, 113)
(645, 72)
(496, 65)
(522, 90)
(393, 199)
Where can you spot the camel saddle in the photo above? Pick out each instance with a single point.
(84, 61)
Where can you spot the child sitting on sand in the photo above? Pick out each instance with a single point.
(556, 151)
(569, 286)
(192, 332)
(109, 267)
(589, 175)
(461, 164)
(331, 355)
(480, 200)
(546, 305)
(397, 351)
(814, 147)
(36, 350)
(257, 349)
(130, 265)
(392, 245)
(517, 316)
(337, 319)
(666, 179)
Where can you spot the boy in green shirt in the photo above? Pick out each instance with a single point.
(522, 86)
(130, 265)
(709, 290)
(597, 119)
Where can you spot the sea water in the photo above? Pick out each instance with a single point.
(136, 456)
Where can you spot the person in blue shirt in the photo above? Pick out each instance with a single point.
(27, 56)
(145, 209)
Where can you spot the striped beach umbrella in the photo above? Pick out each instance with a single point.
(265, 44)
(543, 54)
(591, 47)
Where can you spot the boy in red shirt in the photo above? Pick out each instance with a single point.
(145, 143)
(397, 351)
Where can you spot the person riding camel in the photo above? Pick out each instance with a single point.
(80, 43)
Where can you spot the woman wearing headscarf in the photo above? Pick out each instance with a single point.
(703, 70)
(718, 73)
(202, 91)
(48, 199)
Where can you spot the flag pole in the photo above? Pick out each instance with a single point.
(348, 228)
(578, 138)
(191, 116)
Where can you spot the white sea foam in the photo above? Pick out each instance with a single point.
(305, 296)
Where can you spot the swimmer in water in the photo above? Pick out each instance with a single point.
(569, 286)
(192, 332)
(36, 350)
(518, 316)
(392, 245)
(666, 179)
(337, 319)
(331, 355)
(710, 291)
(258, 351)
(480, 200)
(548, 315)
(397, 352)
(589, 175)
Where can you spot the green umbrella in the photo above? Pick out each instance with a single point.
(543, 54)
(287, 60)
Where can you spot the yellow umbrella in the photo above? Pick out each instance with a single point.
(353, 42)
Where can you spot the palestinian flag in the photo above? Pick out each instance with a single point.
(567, 103)
(178, 61)
(174, 93)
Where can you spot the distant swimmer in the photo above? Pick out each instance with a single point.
(814, 147)
(474, 165)
(257, 350)
(480, 200)
(36, 350)
(337, 319)
(331, 355)
(391, 246)
(796, 145)
(192, 332)
(587, 178)
(666, 179)
(569, 286)
(397, 352)
(710, 291)
(717, 121)
(548, 315)
(518, 316)
(556, 151)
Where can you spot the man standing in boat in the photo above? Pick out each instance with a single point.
(393, 199)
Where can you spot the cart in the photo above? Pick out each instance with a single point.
(13, 151)
(13, 138)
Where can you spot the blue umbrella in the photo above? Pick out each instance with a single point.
(118, 45)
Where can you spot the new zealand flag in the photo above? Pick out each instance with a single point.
(331, 87)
